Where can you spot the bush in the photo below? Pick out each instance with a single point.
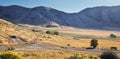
(10, 55)
(48, 32)
(11, 48)
(109, 55)
(56, 33)
(113, 48)
(1, 41)
(75, 56)
(52, 32)
(68, 45)
(76, 38)
(94, 43)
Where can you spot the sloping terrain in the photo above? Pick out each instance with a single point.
(93, 18)
(10, 33)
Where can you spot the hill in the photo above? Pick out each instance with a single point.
(91, 18)
(11, 33)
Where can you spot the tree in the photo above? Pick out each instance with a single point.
(112, 36)
(109, 55)
(94, 43)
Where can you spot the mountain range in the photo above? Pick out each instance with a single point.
(102, 17)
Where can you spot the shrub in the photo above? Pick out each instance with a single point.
(68, 45)
(113, 48)
(75, 56)
(109, 55)
(93, 57)
(76, 38)
(56, 33)
(10, 55)
(52, 32)
(11, 48)
(1, 41)
(94, 43)
(13, 37)
(48, 32)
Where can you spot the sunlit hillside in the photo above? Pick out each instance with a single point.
(9, 30)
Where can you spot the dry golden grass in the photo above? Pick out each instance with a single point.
(98, 33)
(8, 29)
(54, 55)
(84, 42)
(46, 55)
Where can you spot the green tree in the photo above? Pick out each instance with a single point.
(112, 36)
(109, 55)
(10, 55)
(94, 43)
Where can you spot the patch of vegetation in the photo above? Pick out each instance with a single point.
(11, 48)
(52, 32)
(68, 45)
(10, 55)
(46, 55)
(57, 55)
(75, 56)
(76, 36)
(113, 48)
(109, 55)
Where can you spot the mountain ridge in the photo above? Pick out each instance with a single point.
(94, 18)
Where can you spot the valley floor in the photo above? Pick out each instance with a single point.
(50, 47)
(78, 40)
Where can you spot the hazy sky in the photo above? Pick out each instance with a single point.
(63, 5)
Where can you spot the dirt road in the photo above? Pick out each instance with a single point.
(43, 46)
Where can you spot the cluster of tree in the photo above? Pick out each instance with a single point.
(112, 36)
(52, 32)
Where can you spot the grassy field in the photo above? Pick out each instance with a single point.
(103, 44)
(79, 38)
(85, 32)
(54, 55)
(84, 37)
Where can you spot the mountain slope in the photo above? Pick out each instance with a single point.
(94, 18)
(11, 33)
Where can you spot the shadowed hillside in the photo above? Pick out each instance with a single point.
(90, 18)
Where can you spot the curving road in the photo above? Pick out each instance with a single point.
(42, 46)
